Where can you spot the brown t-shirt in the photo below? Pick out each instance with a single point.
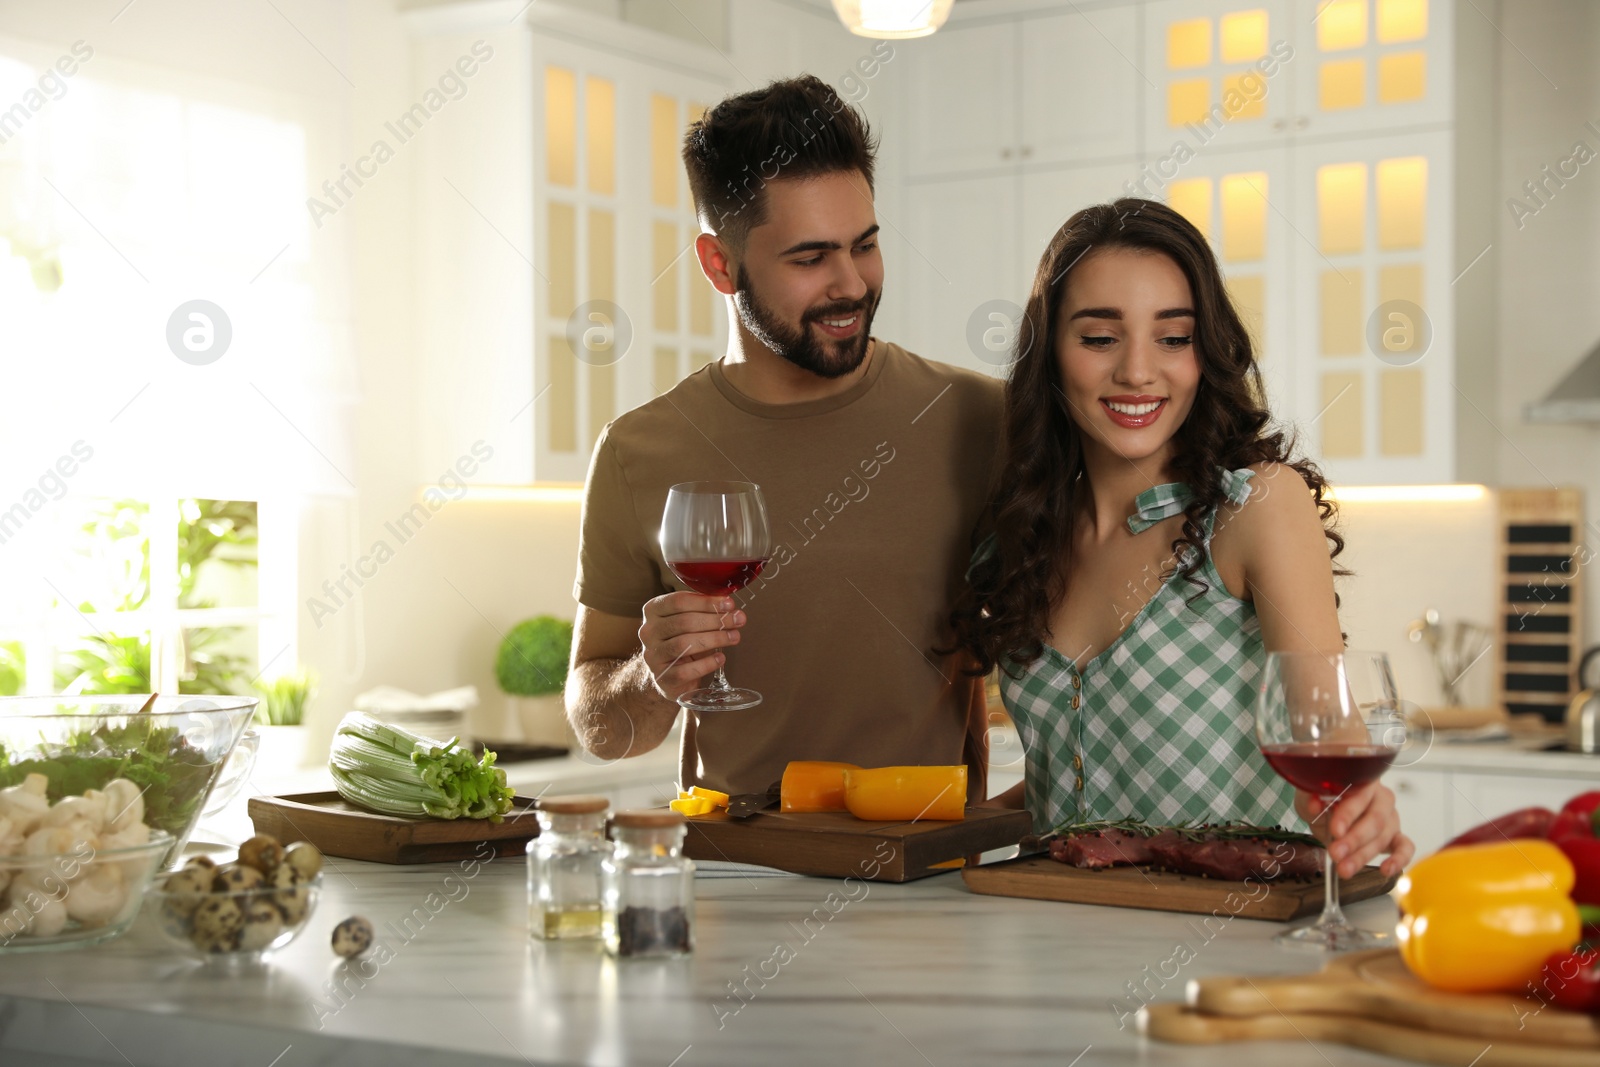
(872, 496)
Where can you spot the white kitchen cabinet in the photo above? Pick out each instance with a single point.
(1035, 90)
(962, 90)
(962, 256)
(1080, 86)
(1477, 798)
(1366, 66)
(1215, 69)
(556, 220)
(1436, 804)
(1372, 307)
(1337, 67)
(1424, 806)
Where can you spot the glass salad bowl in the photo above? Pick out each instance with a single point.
(188, 755)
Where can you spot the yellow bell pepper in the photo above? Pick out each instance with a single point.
(1478, 918)
(813, 785)
(899, 794)
(718, 800)
(692, 806)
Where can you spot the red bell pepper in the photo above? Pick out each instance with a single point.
(1573, 980)
(1523, 823)
(1573, 832)
(1576, 817)
(1584, 852)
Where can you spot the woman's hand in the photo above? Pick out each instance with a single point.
(1361, 825)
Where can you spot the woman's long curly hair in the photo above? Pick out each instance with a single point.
(1002, 614)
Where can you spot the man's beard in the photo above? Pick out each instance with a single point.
(825, 358)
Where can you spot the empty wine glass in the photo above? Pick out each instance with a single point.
(714, 537)
(1328, 723)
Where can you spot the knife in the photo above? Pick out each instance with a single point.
(744, 805)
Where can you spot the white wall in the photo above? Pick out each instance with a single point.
(1408, 557)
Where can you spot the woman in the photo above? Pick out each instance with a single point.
(1153, 537)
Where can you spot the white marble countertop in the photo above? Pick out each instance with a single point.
(895, 974)
(923, 973)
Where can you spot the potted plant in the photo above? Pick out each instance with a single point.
(531, 668)
(280, 720)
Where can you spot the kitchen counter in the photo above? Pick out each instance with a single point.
(892, 974)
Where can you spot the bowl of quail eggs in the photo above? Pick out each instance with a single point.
(242, 911)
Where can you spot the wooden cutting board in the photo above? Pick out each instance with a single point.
(836, 844)
(1042, 878)
(341, 829)
(1369, 1000)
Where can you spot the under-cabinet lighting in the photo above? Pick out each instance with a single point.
(1409, 494)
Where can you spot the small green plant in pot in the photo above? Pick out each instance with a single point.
(280, 720)
(532, 669)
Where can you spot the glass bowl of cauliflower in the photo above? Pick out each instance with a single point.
(73, 872)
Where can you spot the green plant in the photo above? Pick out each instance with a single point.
(106, 664)
(533, 657)
(283, 699)
(13, 670)
(223, 531)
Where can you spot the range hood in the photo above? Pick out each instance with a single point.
(1576, 398)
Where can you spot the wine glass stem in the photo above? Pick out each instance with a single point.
(719, 681)
(1332, 914)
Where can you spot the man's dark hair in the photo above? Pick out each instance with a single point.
(797, 128)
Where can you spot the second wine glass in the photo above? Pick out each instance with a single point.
(715, 538)
(1328, 723)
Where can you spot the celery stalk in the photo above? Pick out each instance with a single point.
(390, 770)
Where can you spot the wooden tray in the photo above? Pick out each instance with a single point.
(340, 829)
(836, 844)
(1369, 1000)
(1042, 878)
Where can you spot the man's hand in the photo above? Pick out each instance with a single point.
(681, 634)
(1362, 825)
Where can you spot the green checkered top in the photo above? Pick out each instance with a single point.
(1159, 726)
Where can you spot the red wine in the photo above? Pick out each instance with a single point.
(717, 577)
(1328, 770)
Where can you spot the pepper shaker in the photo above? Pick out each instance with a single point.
(649, 887)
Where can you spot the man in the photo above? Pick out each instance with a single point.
(874, 464)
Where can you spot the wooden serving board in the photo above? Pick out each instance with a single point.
(1042, 878)
(836, 844)
(1369, 1000)
(339, 828)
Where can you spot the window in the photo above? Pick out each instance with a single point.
(144, 488)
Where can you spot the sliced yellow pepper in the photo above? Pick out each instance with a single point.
(692, 806)
(1478, 918)
(900, 794)
(718, 800)
(813, 785)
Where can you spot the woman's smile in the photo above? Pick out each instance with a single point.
(1134, 412)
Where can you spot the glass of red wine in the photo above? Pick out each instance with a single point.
(714, 537)
(1328, 723)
